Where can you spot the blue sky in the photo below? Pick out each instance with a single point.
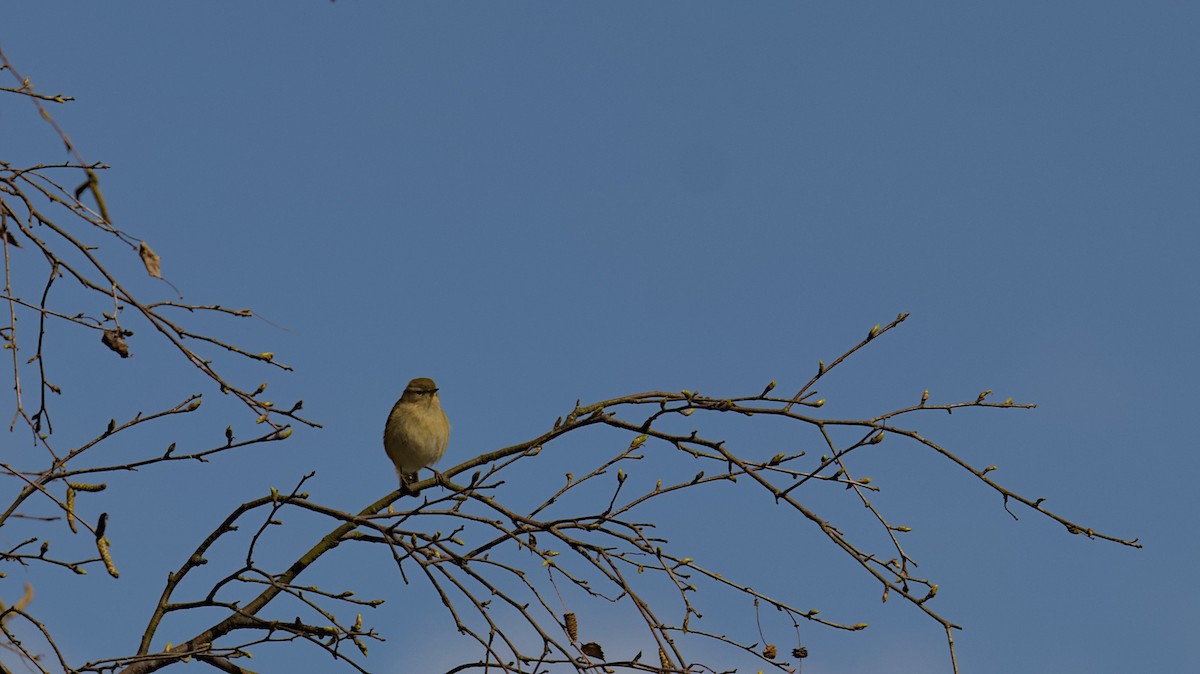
(535, 202)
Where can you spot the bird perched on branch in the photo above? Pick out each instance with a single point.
(417, 430)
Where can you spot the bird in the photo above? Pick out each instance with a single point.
(417, 430)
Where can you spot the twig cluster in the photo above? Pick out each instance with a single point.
(520, 573)
(520, 580)
(67, 270)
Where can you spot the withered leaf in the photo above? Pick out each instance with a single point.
(592, 650)
(8, 237)
(151, 260)
(25, 598)
(115, 340)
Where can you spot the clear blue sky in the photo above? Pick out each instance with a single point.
(539, 202)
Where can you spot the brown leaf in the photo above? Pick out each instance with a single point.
(23, 601)
(151, 260)
(25, 598)
(115, 340)
(8, 237)
(592, 650)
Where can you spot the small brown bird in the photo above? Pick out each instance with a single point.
(417, 430)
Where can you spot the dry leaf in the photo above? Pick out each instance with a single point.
(115, 340)
(21, 603)
(8, 237)
(592, 650)
(151, 260)
(25, 598)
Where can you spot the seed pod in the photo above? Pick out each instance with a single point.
(106, 556)
(84, 486)
(71, 510)
(572, 626)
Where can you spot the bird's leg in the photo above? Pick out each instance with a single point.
(406, 481)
